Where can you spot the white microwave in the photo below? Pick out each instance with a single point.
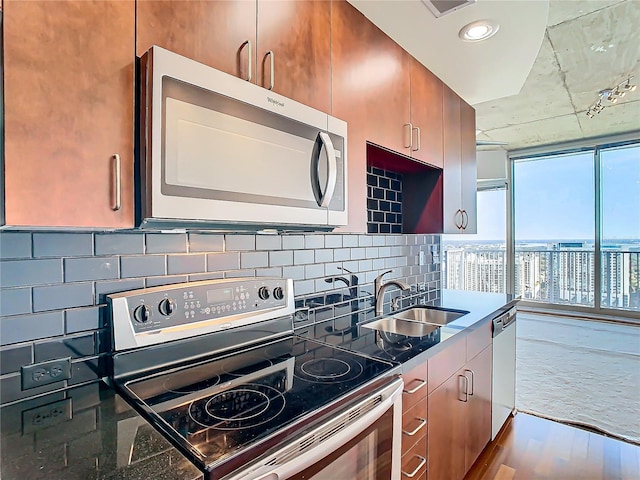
(218, 150)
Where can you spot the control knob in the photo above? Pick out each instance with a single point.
(278, 293)
(142, 314)
(167, 307)
(263, 293)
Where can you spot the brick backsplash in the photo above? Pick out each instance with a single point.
(384, 201)
(53, 284)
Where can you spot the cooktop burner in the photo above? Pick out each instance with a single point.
(329, 370)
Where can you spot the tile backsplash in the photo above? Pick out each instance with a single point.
(53, 284)
(384, 201)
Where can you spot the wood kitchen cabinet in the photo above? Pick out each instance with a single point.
(459, 409)
(460, 167)
(426, 115)
(370, 82)
(414, 422)
(248, 39)
(68, 90)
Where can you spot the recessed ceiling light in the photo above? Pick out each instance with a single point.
(478, 30)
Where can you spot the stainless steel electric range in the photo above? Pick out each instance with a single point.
(216, 368)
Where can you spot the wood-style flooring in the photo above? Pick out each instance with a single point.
(530, 447)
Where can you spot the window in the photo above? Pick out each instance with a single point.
(478, 262)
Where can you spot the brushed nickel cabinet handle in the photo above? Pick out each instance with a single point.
(465, 219)
(272, 69)
(117, 182)
(455, 219)
(473, 378)
(466, 388)
(421, 383)
(410, 125)
(249, 57)
(421, 424)
(423, 461)
(418, 134)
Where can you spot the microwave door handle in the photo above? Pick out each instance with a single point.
(332, 164)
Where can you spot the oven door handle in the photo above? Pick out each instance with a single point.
(293, 458)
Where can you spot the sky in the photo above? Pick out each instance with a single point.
(554, 199)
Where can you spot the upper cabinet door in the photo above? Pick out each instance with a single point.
(469, 167)
(68, 80)
(426, 115)
(219, 34)
(452, 195)
(294, 50)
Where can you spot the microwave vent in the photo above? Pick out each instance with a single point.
(444, 7)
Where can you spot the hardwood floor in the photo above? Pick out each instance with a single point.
(530, 447)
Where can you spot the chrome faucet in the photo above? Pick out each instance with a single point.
(380, 288)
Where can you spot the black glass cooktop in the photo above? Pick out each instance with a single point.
(216, 408)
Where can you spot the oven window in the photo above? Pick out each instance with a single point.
(366, 457)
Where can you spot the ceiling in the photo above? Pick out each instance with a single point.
(579, 48)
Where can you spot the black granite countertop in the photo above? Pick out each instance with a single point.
(480, 307)
(85, 433)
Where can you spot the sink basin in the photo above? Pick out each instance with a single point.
(398, 326)
(430, 315)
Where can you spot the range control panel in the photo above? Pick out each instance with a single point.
(220, 304)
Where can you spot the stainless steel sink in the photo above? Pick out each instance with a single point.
(397, 326)
(430, 315)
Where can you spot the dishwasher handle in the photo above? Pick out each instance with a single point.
(503, 321)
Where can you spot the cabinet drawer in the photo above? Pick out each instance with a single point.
(415, 386)
(414, 425)
(446, 362)
(479, 339)
(414, 462)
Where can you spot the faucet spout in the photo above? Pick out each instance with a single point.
(381, 287)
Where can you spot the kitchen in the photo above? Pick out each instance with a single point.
(73, 238)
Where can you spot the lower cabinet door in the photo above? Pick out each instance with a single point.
(446, 429)
(478, 425)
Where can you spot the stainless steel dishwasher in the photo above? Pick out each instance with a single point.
(504, 370)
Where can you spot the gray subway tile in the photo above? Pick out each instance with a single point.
(81, 319)
(190, 263)
(364, 265)
(333, 269)
(333, 240)
(14, 301)
(350, 240)
(341, 254)
(11, 389)
(314, 241)
(254, 259)
(97, 268)
(143, 266)
(281, 258)
(389, 262)
(378, 240)
(223, 261)
(11, 359)
(166, 280)
(295, 273)
(324, 255)
(358, 253)
(372, 252)
(24, 328)
(74, 347)
(322, 286)
(269, 272)
(105, 288)
(292, 242)
(314, 271)
(16, 273)
(62, 296)
(85, 371)
(268, 242)
(351, 266)
(240, 242)
(119, 243)
(49, 244)
(378, 263)
(166, 242)
(303, 287)
(300, 257)
(15, 245)
(202, 242)
(384, 252)
(240, 274)
(196, 277)
(365, 241)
